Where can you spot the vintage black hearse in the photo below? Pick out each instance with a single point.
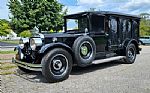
(87, 36)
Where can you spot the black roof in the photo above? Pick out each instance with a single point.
(104, 13)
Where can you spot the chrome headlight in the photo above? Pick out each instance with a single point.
(34, 42)
(23, 40)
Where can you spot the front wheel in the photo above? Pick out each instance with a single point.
(130, 54)
(56, 65)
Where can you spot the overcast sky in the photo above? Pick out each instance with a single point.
(125, 6)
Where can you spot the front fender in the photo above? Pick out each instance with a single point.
(20, 54)
(54, 45)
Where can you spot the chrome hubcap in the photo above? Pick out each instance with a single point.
(57, 64)
(131, 54)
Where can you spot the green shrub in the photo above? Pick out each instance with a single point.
(26, 33)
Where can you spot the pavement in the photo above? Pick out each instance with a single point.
(4, 44)
(7, 46)
(110, 77)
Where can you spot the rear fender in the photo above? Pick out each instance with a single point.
(133, 41)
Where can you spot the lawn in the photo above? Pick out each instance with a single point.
(7, 68)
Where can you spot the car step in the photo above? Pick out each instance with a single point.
(108, 59)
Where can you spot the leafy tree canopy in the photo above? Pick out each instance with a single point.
(25, 33)
(145, 24)
(44, 14)
(4, 27)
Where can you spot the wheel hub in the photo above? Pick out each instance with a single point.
(131, 54)
(84, 50)
(57, 64)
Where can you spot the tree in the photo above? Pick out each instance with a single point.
(4, 27)
(145, 24)
(26, 33)
(44, 14)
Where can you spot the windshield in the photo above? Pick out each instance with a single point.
(76, 24)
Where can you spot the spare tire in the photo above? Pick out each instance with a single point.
(84, 49)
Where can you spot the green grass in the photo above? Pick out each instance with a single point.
(7, 68)
(7, 73)
(8, 52)
(10, 41)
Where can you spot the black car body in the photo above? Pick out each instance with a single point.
(93, 35)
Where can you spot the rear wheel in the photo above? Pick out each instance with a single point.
(56, 65)
(130, 54)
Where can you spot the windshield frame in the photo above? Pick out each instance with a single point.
(76, 17)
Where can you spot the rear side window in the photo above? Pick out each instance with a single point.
(97, 23)
(129, 26)
(113, 25)
(124, 25)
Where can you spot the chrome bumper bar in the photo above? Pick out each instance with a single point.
(29, 66)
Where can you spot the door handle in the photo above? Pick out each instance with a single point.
(106, 34)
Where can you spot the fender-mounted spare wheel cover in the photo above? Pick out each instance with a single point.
(84, 49)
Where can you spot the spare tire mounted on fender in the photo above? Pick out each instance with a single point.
(84, 50)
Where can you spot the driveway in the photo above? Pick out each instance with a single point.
(111, 77)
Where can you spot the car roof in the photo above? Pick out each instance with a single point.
(103, 13)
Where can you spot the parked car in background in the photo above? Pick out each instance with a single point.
(144, 40)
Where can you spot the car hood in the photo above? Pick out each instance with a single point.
(61, 35)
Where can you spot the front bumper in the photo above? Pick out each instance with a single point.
(29, 66)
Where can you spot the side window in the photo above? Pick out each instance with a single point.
(97, 23)
(124, 25)
(113, 25)
(135, 28)
(129, 26)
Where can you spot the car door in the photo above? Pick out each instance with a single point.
(113, 39)
(97, 31)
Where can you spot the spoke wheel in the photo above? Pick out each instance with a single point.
(130, 53)
(57, 65)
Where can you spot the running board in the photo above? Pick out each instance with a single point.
(108, 59)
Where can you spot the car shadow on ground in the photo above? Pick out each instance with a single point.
(82, 70)
(37, 77)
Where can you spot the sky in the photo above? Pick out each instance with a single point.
(134, 7)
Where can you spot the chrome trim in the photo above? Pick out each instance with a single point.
(29, 66)
(66, 64)
(23, 40)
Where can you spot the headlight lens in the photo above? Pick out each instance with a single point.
(35, 42)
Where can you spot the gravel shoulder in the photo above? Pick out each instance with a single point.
(111, 77)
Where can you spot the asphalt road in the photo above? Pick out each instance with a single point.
(7, 44)
(112, 77)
